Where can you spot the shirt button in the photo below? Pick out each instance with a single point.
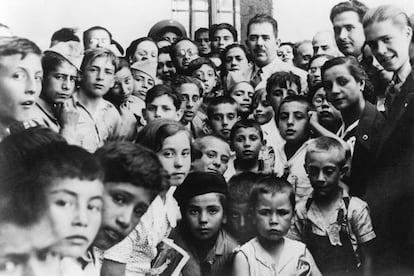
(365, 137)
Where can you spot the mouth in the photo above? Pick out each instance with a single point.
(274, 232)
(233, 69)
(247, 153)
(245, 106)
(112, 234)
(77, 239)
(325, 114)
(99, 86)
(204, 231)
(177, 175)
(290, 132)
(225, 131)
(189, 113)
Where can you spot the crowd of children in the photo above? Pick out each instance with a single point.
(209, 157)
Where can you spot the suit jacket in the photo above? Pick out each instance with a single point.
(390, 191)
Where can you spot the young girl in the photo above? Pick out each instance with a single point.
(344, 81)
(272, 202)
(172, 143)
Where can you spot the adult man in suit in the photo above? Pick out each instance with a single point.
(390, 192)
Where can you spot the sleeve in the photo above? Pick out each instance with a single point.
(361, 221)
(298, 222)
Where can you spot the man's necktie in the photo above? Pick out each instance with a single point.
(257, 78)
(391, 92)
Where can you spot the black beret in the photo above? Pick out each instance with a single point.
(199, 183)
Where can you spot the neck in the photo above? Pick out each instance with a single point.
(353, 113)
(329, 200)
(251, 165)
(272, 247)
(91, 103)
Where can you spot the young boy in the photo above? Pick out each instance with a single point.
(222, 35)
(279, 86)
(133, 177)
(202, 201)
(240, 89)
(201, 36)
(210, 154)
(294, 127)
(222, 115)
(191, 90)
(20, 81)
(333, 225)
(144, 73)
(161, 102)
(246, 139)
(239, 218)
(99, 120)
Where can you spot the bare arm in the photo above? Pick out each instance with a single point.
(112, 268)
(240, 265)
(366, 259)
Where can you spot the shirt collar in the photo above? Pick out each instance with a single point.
(403, 73)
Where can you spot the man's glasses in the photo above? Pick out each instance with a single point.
(182, 52)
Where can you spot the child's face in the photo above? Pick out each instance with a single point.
(236, 60)
(142, 83)
(343, 90)
(294, 122)
(242, 93)
(98, 77)
(223, 119)
(389, 43)
(75, 208)
(326, 111)
(162, 107)
(165, 66)
(20, 85)
(98, 39)
(314, 72)
(124, 84)
(273, 215)
(222, 38)
(324, 172)
(240, 222)
(204, 215)
(277, 94)
(204, 43)
(29, 248)
(215, 156)
(170, 37)
(175, 157)
(262, 110)
(191, 100)
(247, 143)
(208, 76)
(285, 53)
(124, 205)
(58, 86)
(146, 50)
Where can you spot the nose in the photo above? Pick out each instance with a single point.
(290, 120)
(260, 41)
(100, 75)
(81, 216)
(158, 113)
(225, 121)
(321, 177)
(343, 33)
(31, 85)
(216, 162)
(190, 103)
(66, 84)
(381, 48)
(247, 143)
(242, 221)
(178, 161)
(273, 218)
(203, 217)
(124, 217)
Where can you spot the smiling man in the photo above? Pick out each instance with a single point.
(263, 42)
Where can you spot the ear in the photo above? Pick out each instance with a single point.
(409, 32)
(179, 113)
(344, 170)
(144, 114)
(362, 85)
(278, 42)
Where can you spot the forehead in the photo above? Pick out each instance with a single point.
(164, 57)
(99, 33)
(202, 34)
(163, 100)
(204, 200)
(146, 44)
(279, 199)
(236, 51)
(325, 158)
(285, 47)
(289, 85)
(225, 108)
(337, 70)
(247, 131)
(185, 44)
(102, 61)
(293, 107)
(77, 187)
(15, 61)
(223, 32)
(264, 28)
(205, 68)
(123, 72)
(345, 18)
(189, 89)
(178, 140)
(140, 194)
(319, 61)
(213, 143)
(243, 86)
(320, 92)
(382, 28)
(305, 47)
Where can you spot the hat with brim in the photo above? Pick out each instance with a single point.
(166, 25)
(148, 67)
(71, 50)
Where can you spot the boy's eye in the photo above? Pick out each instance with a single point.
(119, 199)
(95, 205)
(263, 212)
(19, 76)
(140, 211)
(213, 211)
(231, 116)
(166, 108)
(193, 212)
(168, 153)
(277, 93)
(239, 139)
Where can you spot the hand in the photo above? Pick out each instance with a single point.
(68, 114)
(313, 119)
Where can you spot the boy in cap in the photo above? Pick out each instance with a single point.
(202, 200)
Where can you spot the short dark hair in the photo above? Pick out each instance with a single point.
(160, 90)
(355, 69)
(199, 31)
(240, 186)
(228, 48)
(281, 79)
(222, 26)
(65, 34)
(350, 5)
(18, 46)
(217, 101)
(327, 144)
(51, 61)
(180, 80)
(132, 163)
(174, 45)
(263, 18)
(294, 98)
(271, 185)
(246, 123)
